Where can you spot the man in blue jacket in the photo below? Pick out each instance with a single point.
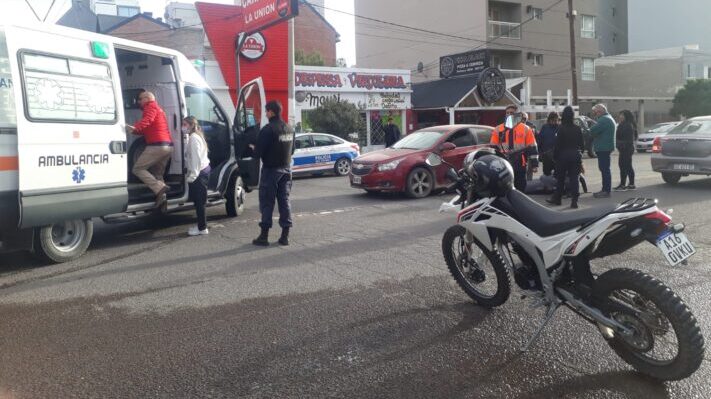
(603, 134)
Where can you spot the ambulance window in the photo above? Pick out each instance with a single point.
(8, 119)
(60, 89)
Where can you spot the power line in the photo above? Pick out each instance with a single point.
(33, 10)
(49, 10)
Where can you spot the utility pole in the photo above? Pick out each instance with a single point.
(573, 69)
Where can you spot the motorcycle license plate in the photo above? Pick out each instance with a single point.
(675, 247)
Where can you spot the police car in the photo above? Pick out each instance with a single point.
(319, 152)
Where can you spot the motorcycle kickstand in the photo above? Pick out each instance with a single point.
(549, 315)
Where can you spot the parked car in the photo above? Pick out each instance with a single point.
(316, 153)
(645, 140)
(684, 151)
(402, 167)
(585, 124)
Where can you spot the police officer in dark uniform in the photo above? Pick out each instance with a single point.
(275, 146)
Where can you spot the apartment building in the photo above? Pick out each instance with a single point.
(525, 38)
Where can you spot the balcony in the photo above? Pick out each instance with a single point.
(505, 30)
(512, 73)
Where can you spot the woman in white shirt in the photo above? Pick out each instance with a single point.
(198, 166)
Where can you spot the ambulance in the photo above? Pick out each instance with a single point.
(66, 97)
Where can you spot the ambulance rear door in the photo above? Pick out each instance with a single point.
(71, 135)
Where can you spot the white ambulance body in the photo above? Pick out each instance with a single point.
(65, 99)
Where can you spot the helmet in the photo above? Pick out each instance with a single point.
(476, 154)
(492, 176)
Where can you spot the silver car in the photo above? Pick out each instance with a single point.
(645, 140)
(684, 151)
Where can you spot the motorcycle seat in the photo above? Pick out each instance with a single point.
(547, 222)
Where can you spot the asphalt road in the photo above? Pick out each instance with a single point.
(360, 305)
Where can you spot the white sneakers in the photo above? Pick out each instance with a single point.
(193, 231)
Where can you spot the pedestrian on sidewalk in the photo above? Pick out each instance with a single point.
(275, 147)
(568, 158)
(603, 134)
(198, 172)
(150, 165)
(392, 133)
(546, 143)
(626, 136)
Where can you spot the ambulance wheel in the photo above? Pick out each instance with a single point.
(64, 241)
(234, 197)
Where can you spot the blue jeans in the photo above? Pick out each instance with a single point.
(275, 186)
(603, 163)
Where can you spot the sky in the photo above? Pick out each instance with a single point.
(18, 10)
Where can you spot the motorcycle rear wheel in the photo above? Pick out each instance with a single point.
(469, 271)
(658, 313)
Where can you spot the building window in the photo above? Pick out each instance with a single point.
(614, 11)
(124, 11)
(537, 59)
(537, 13)
(587, 26)
(588, 69)
(614, 37)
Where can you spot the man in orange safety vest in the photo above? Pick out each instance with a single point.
(518, 142)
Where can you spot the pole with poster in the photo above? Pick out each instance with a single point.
(258, 15)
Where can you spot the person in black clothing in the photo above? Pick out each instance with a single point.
(626, 136)
(546, 143)
(392, 133)
(568, 159)
(275, 146)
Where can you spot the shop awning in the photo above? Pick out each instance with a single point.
(442, 93)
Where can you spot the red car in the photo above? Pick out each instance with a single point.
(402, 167)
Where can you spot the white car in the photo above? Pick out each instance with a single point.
(645, 140)
(320, 152)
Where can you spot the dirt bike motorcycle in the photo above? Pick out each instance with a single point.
(501, 232)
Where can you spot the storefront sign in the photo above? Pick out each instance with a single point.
(254, 46)
(492, 85)
(261, 14)
(460, 64)
(311, 100)
(388, 101)
(342, 79)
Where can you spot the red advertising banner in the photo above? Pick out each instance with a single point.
(261, 14)
(272, 66)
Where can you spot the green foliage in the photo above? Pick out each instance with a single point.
(694, 99)
(337, 118)
(312, 59)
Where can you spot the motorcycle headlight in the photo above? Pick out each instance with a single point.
(389, 166)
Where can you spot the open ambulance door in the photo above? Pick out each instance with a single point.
(249, 119)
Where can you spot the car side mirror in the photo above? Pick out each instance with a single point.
(444, 147)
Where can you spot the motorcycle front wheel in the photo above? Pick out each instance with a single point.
(481, 273)
(666, 341)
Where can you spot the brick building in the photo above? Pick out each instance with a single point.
(313, 34)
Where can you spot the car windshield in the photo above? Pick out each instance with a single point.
(418, 140)
(662, 128)
(693, 127)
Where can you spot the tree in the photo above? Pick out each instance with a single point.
(311, 59)
(341, 63)
(694, 99)
(335, 117)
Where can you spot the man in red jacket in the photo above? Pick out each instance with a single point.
(150, 166)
